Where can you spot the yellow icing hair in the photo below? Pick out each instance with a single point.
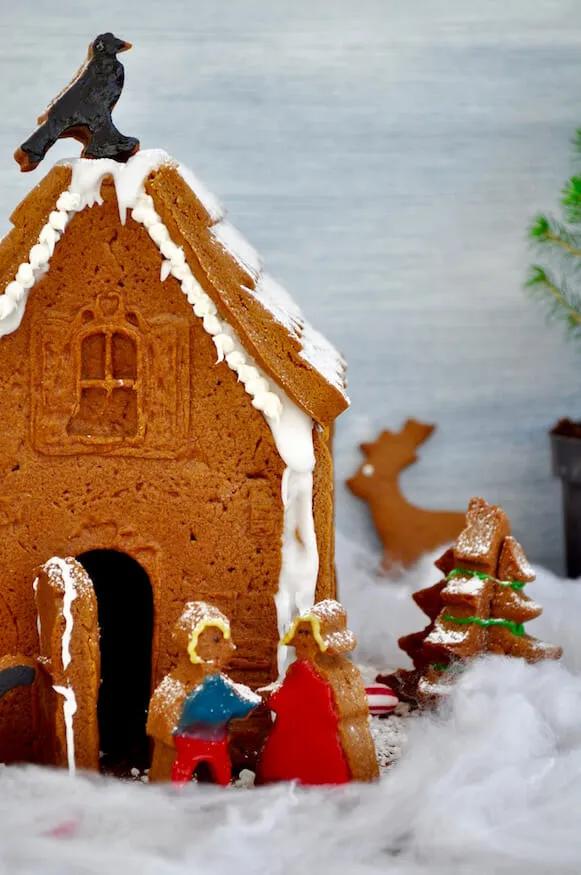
(315, 628)
(201, 626)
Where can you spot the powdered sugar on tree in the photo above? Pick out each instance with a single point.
(479, 607)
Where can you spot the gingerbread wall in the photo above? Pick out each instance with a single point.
(118, 430)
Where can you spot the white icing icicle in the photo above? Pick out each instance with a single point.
(70, 595)
(35, 590)
(66, 691)
(128, 178)
(293, 435)
(69, 711)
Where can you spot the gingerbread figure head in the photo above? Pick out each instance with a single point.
(387, 456)
(321, 629)
(203, 637)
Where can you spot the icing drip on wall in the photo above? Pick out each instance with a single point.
(68, 599)
(69, 711)
(64, 571)
(35, 590)
(293, 435)
(291, 428)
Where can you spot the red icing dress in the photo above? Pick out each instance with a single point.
(304, 743)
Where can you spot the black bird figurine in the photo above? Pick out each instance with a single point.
(83, 110)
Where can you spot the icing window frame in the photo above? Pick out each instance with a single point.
(109, 363)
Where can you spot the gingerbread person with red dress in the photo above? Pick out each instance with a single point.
(321, 731)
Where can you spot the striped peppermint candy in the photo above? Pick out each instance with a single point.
(381, 699)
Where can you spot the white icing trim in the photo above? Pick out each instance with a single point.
(69, 711)
(85, 191)
(13, 301)
(128, 179)
(228, 346)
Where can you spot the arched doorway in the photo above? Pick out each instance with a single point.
(125, 605)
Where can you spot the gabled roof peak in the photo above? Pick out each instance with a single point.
(267, 320)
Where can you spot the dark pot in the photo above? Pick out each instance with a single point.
(566, 451)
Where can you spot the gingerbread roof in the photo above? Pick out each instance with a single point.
(218, 259)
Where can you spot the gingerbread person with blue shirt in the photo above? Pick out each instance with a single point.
(191, 708)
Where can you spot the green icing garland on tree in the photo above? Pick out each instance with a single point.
(440, 666)
(465, 572)
(516, 628)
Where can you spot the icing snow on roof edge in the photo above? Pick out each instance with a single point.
(129, 180)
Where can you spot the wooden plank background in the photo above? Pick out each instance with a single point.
(385, 157)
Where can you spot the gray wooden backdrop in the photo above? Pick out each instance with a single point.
(385, 157)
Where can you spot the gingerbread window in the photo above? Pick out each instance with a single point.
(110, 379)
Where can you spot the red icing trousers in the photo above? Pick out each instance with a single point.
(191, 751)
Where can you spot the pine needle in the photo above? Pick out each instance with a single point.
(557, 282)
(557, 298)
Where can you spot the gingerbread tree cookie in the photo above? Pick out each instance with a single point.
(479, 607)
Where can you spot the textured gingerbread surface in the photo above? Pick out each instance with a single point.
(173, 466)
(351, 704)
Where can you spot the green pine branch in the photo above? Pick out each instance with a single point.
(557, 298)
(571, 200)
(557, 281)
(546, 229)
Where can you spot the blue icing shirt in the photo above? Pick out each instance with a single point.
(211, 705)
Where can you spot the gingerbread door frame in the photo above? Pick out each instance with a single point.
(109, 536)
(123, 540)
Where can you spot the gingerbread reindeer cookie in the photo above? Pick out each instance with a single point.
(191, 708)
(321, 728)
(406, 531)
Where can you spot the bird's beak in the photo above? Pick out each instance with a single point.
(124, 46)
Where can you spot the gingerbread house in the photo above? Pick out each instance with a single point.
(165, 417)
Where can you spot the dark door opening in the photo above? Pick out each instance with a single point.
(125, 605)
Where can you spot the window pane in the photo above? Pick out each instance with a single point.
(122, 412)
(123, 357)
(102, 415)
(91, 417)
(93, 357)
